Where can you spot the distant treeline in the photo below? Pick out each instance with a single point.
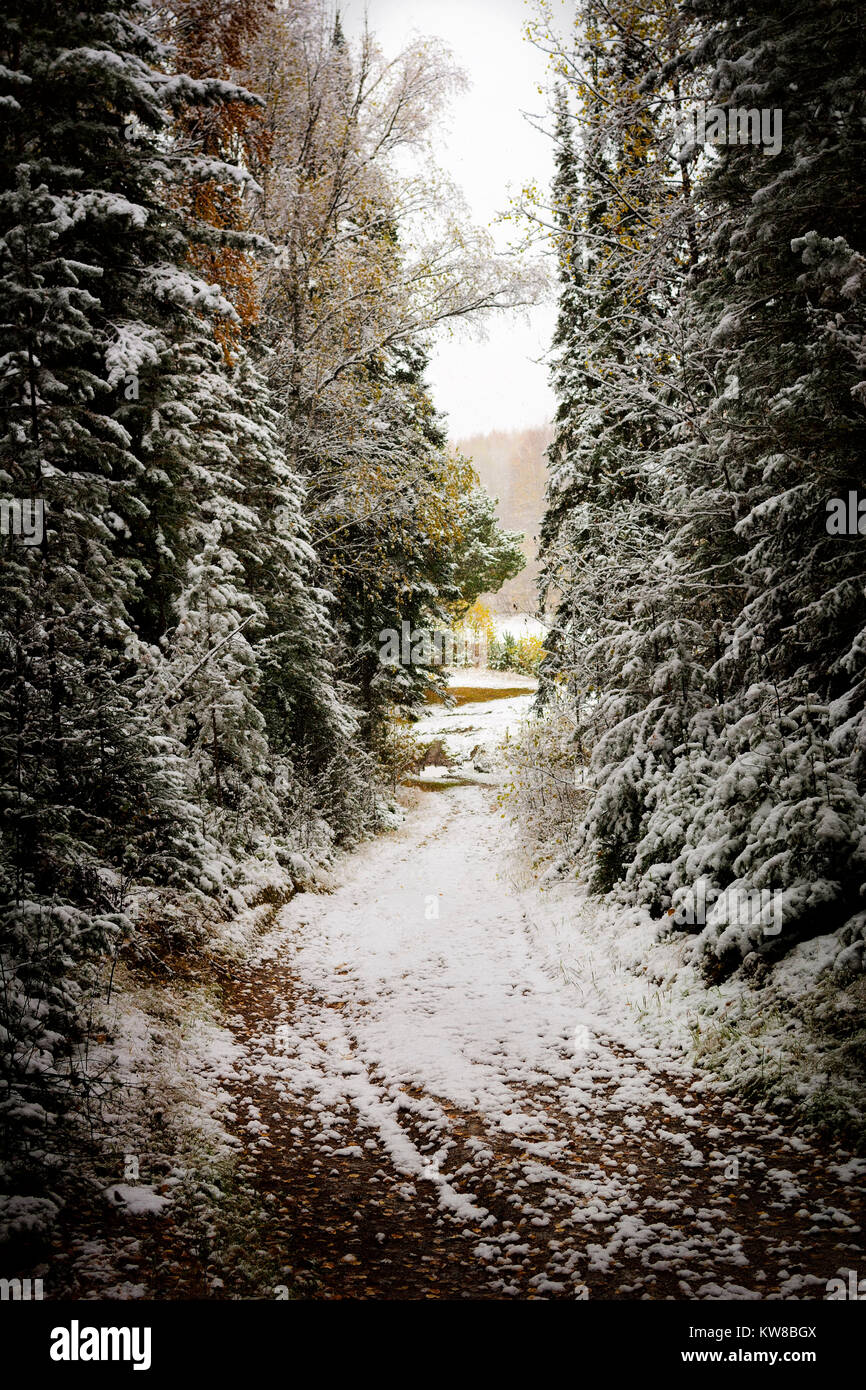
(511, 466)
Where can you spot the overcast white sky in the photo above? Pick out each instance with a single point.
(494, 383)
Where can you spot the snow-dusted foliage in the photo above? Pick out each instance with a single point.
(709, 369)
(93, 793)
(214, 407)
(370, 258)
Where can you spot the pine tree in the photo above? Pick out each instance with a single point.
(781, 302)
(618, 649)
(96, 299)
(727, 728)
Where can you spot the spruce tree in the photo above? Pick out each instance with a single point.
(781, 301)
(97, 296)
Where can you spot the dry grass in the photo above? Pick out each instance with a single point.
(480, 694)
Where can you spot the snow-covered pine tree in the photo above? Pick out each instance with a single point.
(781, 301)
(620, 650)
(96, 298)
(248, 671)
(488, 556)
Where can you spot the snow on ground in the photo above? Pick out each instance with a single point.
(649, 989)
(501, 1058)
(449, 1012)
(472, 731)
(484, 677)
(169, 1051)
(140, 1199)
(166, 1060)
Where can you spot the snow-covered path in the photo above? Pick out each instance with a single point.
(433, 1111)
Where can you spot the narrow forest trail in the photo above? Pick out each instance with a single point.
(428, 1111)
